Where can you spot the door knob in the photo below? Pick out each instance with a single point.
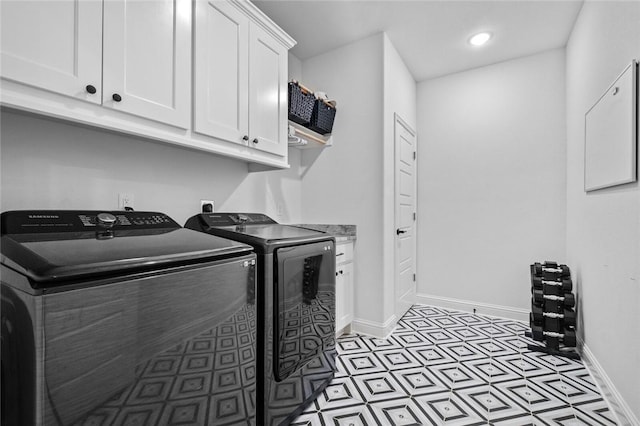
(245, 138)
(90, 88)
(400, 231)
(116, 97)
(256, 140)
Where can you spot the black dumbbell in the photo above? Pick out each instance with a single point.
(533, 321)
(568, 337)
(537, 311)
(551, 267)
(538, 315)
(568, 299)
(566, 284)
(538, 297)
(537, 333)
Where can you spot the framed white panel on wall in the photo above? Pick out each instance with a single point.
(611, 134)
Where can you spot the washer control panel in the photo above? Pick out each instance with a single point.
(230, 219)
(126, 219)
(47, 221)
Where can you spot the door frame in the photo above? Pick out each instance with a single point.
(399, 121)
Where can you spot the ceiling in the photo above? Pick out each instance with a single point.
(430, 35)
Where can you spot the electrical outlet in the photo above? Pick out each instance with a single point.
(125, 200)
(204, 206)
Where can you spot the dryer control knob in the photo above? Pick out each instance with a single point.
(106, 219)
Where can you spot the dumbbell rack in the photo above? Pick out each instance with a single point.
(552, 318)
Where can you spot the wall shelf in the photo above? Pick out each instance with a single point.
(302, 138)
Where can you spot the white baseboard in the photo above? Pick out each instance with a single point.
(375, 329)
(473, 307)
(617, 404)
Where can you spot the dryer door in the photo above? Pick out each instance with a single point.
(305, 304)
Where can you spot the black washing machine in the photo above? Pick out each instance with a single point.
(124, 318)
(296, 309)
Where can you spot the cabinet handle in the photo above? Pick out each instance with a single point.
(245, 138)
(341, 271)
(116, 97)
(91, 89)
(336, 273)
(339, 254)
(400, 231)
(255, 140)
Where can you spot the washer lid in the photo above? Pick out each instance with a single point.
(56, 247)
(230, 219)
(277, 232)
(256, 229)
(266, 238)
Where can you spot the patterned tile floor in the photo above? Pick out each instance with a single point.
(455, 368)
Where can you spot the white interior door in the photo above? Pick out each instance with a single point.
(405, 216)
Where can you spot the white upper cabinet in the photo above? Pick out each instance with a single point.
(140, 53)
(147, 59)
(209, 75)
(221, 71)
(267, 92)
(240, 78)
(53, 45)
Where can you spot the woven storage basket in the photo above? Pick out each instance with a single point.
(301, 104)
(322, 117)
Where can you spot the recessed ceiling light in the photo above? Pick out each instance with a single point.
(480, 39)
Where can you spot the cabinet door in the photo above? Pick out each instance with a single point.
(53, 45)
(340, 298)
(147, 57)
(221, 70)
(344, 295)
(267, 92)
(347, 281)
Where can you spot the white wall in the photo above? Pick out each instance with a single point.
(603, 227)
(399, 97)
(56, 165)
(295, 68)
(491, 179)
(342, 184)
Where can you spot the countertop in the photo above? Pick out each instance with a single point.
(340, 232)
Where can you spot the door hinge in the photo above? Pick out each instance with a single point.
(414, 155)
(414, 277)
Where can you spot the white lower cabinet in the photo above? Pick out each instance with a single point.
(344, 287)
